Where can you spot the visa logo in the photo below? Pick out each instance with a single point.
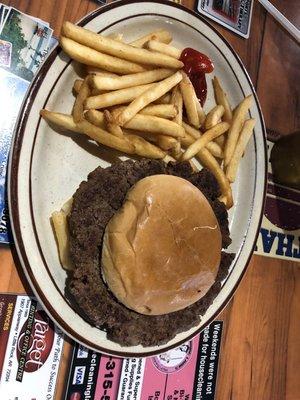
(78, 377)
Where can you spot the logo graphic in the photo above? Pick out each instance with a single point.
(173, 360)
(82, 352)
(78, 375)
(39, 342)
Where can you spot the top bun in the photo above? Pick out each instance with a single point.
(161, 251)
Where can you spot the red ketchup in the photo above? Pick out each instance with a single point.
(196, 65)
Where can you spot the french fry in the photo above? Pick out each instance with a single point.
(97, 71)
(163, 48)
(222, 100)
(143, 123)
(245, 135)
(206, 138)
(96, 118)
(150, 95)
(166, 142)
(77, 86)
(214, 116)
(214, 148)
(238, 120)
(200, 112)
(88, 56)
(208, 161)
(116, 97)
(150, 137)
(187, 140)
(64, 121)
(220, 140)
(158, 110)
(118, 49)
(111, 126)
(83, 93)
(165, 99)
(116, 36)
(126, 81)
(176, 151)
(223, 199)
(168, 159)
(99, 135)
(145, 149)
(189, 100)
(170, 144)
(103, 137)
(195, 133)
(161, 35)
(177, 100)
(67, 206)
(60, 225)
(149, 123)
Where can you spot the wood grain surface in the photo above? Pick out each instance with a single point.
(260, 357)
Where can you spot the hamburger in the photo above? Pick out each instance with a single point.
(146, 242)
(155, 256)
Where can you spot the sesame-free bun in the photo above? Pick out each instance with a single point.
(162, 249)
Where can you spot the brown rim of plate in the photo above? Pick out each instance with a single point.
(14, 166)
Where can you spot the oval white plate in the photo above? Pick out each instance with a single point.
(46, 166)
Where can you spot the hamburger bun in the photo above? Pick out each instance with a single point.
(161, 251)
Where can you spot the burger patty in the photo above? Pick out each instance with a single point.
(94, 203)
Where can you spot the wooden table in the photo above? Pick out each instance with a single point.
(260, 358)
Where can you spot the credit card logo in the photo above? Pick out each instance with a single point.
(82, 352)
(78, 375)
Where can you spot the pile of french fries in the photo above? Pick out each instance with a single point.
(137, 99)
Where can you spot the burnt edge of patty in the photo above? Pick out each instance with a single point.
(94, 203)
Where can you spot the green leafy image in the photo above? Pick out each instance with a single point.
(12, 32)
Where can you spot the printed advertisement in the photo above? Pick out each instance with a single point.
(233, 14)
(30, 350)
(280, 232)
(24, 44)
(188, 372)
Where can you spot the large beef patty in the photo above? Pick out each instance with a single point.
(95, 202)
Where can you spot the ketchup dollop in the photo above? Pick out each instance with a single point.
(196, 65)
